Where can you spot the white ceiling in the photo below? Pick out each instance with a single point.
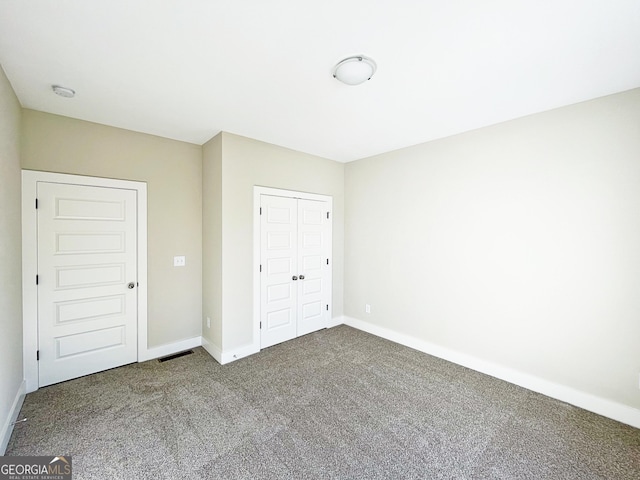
(187, 69)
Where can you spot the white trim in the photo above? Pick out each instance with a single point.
(277, 192)
(29, 291)
(170, 348)
(237, 354)
(30, 260)
(257, 191)
(212, 349)
(7, 428)
(587, 401)
(335, 321)
(227, 357)
(143, 336)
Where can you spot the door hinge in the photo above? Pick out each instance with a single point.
(37, 279)
(327, 307)
(327, 215)
(37, 355)
(260, 210)
(327, 261)
(260, 267)
(260, 325)
(36, 203)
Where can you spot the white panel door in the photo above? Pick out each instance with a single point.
(278, 253)
(87, 280)
(294, 279)
(312, 267)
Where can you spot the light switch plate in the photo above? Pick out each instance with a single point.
(179, 261)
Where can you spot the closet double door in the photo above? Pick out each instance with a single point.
(295, 276)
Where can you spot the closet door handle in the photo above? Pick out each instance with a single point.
(301, 277)
(294, 278)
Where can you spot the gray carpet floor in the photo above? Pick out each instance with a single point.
(338, 403)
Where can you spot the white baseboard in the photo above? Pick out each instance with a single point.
(169, 349)
(601, 406)
(230, 356)
(212, 349)
(335, 321)
(238, 353)
(7, 428)
(242, 352)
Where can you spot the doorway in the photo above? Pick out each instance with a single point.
(293, 247)
(84, 275)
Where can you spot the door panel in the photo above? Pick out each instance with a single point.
(74, 243)
(312, 235)
(87, 315)
(278, 246)
(90, 342)
(89, 309)
(294, 240)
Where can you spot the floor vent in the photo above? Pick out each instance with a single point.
(175, 355)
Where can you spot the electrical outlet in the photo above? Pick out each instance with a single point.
(367, 308)
(208, 322)
(179, 261)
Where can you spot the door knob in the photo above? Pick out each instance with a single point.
(131, 285)
(301, 277)
(294, 278)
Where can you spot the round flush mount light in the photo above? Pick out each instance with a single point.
(63, 91)
(355, 70)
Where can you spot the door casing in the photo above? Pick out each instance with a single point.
(30, 178)
(257, 192)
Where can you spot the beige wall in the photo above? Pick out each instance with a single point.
(173, 172)
(245, 163)
(212, 240)
(517, 244)
(10, 253)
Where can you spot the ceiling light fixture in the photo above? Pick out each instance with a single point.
(355, 70)
(63, 91)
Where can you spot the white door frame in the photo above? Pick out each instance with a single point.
(257, 191)
(30, 260)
